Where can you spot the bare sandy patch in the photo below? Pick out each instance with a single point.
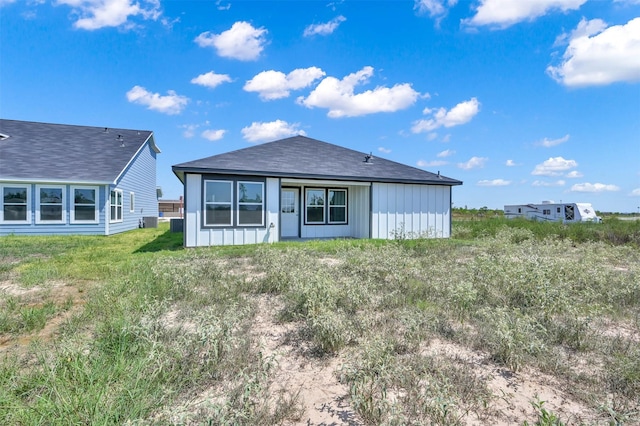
(314, 380)
(513, 392)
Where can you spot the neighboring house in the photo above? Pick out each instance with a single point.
(65, 179)
(553, 212)
(304, 188)
(170, 208)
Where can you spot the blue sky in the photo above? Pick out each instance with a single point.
(523, 101)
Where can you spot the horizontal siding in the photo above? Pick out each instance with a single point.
(66, 228)
(140, 178)
(410, 211)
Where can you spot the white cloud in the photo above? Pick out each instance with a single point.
(445, 153)
(554, 166)
(275, 84)
(494, 182)
(262, 132)
(546, 142)
(504, 13)
(241, 41)
(574, 174)
(548, 184)
(459, 114)
(95, 14)
(324, 29)
(384, 150)
(510, 163)
(211, 79)
(436, 163)
(189, 130)
(339, 98)
(473, 163)
(435, 8)
(213, 135)
(594, 187)
(598, 56)
(170, 104)
(635, 192)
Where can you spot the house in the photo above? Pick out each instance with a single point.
(66, 179)
(553, 212)
(300, 187)
(170, 208)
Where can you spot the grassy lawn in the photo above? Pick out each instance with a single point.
(133, 328)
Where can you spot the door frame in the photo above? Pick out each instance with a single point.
(298, 227)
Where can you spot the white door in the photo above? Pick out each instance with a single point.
(289, 214)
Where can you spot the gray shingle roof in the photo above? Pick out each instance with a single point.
(61, 152)
(303, 157)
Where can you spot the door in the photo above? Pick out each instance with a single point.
(289, 212)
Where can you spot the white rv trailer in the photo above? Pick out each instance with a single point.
(553, 212)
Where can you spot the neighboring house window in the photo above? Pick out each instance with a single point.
(314, 203)
(250, 203)
(15, 204)
(85, 204)
(337, 206)
(132, 202)
(50, 204)
(116, 205)
(546, 212)
(557, 209)
(519, 210)
(218, 200)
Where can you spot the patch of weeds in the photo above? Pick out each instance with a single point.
(545, 417)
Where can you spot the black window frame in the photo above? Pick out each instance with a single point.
(235, 203)
(326, 206)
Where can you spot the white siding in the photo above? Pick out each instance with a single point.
(196, 235)
(411, 210)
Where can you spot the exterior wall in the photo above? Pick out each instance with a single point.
(357, 214)
(410, 211)
(32, 227)
(195, 235)
(140, 178)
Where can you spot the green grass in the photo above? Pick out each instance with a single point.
(153, 325)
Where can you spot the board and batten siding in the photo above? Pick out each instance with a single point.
(195, 235)
(410, 211)
(138, 177)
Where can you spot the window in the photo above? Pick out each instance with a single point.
(546, 212)
(519, 210)
(132, 202)
(15, 204)
(85, 204)
(50, 204)
(116, 205)
(337, 206)
(314, 203)
(558, 210)
(315, 211)
(250, 203)
(218, 199)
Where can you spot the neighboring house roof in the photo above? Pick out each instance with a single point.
(303, 157)
(34, 151)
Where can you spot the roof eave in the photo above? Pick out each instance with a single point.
(180, 171)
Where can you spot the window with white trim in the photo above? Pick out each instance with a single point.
(218, 199)
(15, 203)
(116, 205)
(314, 205)
(337, 206)
(250, 203)
(50, 204)
(84, 208)
(132, 202)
